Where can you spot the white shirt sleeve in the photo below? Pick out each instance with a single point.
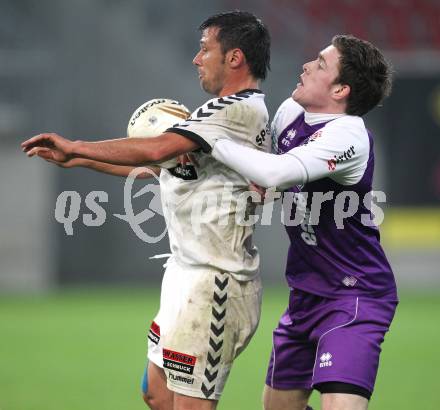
(340, 151)
(264, 169)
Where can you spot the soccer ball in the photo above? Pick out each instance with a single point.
(153, 117)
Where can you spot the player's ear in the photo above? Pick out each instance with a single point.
(341, 91)
(235, 58)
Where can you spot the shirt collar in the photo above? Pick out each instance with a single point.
(313, 118)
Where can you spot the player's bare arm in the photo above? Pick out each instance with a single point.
(123, 151)
(110, 169)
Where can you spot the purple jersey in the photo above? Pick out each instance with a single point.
(322, 259)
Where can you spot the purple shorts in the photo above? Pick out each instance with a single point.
(328, 340)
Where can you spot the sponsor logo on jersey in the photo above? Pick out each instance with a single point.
(315, 136)
(312, 138)
(261, 137)
(187, 172)
(179, 362)
(182, 379)
(154, 333)
(337, 159)
(325, 360)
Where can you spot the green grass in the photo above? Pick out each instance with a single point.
(85, 349)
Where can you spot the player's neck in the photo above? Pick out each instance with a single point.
(238, 84)
(318, 110)
(332, 108)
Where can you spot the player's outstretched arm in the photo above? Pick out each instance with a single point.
(123, 151)
(120, 170)
(110, 169)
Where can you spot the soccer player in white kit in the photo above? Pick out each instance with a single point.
(211, 291)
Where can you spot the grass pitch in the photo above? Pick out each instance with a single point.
(85, 349)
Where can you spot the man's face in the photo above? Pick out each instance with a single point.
(314, 91)
(210, 62)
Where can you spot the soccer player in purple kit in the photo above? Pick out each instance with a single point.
(343, 294)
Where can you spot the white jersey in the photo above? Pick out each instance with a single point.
(206, 206)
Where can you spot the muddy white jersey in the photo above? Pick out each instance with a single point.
(206, 206)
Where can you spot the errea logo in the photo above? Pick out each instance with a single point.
(291, 134)
(349, 281)
(325, 360)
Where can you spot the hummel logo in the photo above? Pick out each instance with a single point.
(325, 360)
(200, 113)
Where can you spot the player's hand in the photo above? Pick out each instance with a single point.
(259, 190)
(49, 146)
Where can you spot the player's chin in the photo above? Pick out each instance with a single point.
(296, 94)
(205, 86)
(210, 87)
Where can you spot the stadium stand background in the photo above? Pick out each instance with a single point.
(80, 68)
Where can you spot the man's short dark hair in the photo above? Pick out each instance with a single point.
(240, 29)
(363, 67)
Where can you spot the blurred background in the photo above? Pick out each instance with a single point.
(74, 308)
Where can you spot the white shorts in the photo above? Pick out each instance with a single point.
(206, 319)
